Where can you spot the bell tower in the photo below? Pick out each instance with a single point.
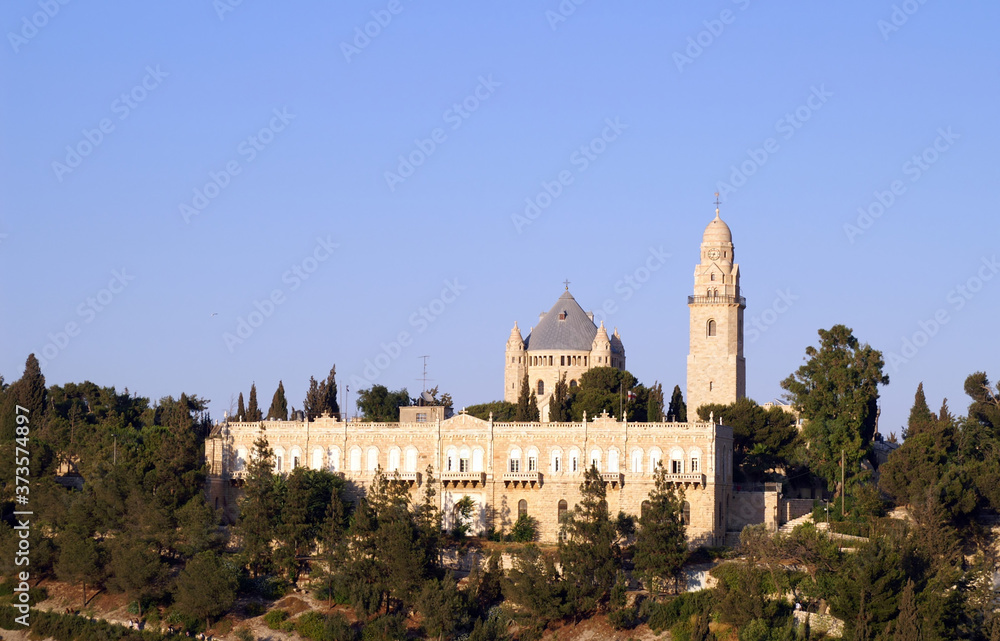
(716, 368)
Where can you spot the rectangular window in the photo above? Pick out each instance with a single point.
(463, 465)
(295, 462)
(576, 464)
(278, 464)
(675, 467)
(532, 464)
(555, 464)
(421, 417)
(694, 465)
(515, 465)
(562, 360)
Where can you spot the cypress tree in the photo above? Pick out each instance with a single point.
(527, 403)
(921, 418)
(558, 410)
(654, 406)
(241, 410)
(312, 404)
(253, 410)
(279, 406)
(907, 625)
(677, 411)
(330, 393)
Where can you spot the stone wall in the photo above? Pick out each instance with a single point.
(504, 467)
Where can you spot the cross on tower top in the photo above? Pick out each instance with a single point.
(566, 283)
(717, 203)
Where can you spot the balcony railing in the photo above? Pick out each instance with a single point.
(524, 478)
(614, 478)
(413, 478)
(456, 478)
(718, 300)
(690, 477)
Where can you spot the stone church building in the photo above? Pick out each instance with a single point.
(511, 468)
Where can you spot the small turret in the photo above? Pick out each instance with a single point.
(601, 349)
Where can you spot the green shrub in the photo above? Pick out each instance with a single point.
(525, 529)
(254, 609)
(336, 628)
(6, 588)
(385, 628)
(661, 616)
(275, 618)
(310, 625)
(244, 634)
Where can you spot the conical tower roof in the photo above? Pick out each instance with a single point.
(564, 327)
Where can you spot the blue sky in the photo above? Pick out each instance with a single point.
(162, 163)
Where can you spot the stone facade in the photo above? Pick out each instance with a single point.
(537, 468)
(506, 468)
(716, 368)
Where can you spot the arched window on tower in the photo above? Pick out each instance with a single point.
(713, 276)
(686, 513)
(572, 384)
(711, 328)
(522, 508)
(541, 387)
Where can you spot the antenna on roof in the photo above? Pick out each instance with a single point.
(424, 378)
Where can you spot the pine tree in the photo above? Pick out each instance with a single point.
(589, 550)
(654, 404)
(558, 402)
(677, 411)
(30, 393)
(241, 410)
(259, 508)
(527, 403)
(660, 545)
(921, 418)
(253, 410)
(907, 625)
(279, 406)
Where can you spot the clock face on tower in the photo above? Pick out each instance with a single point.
(714, 254)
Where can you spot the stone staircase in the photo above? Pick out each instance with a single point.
(791, 525)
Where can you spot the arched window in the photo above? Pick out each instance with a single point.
(644, 508)
(561, 510)
(333, 459)
(463, 459)
(279, 460)
(522, 508)
(711, 328)
(411, 459)
(574, 460)
(372, 459)
(595, 458)
(394, 456)
(477, 459)
(572, 384)
(556, 461)
(686, 513)
(241, 459)
(514, 460)
(655, 456)
(296, 457)
(451, 460)
(676, 461)
(713, 275)
(637, 461)
(541, 387)
(613, 460)
(317, 462)
(532, 459)
(355, 459)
